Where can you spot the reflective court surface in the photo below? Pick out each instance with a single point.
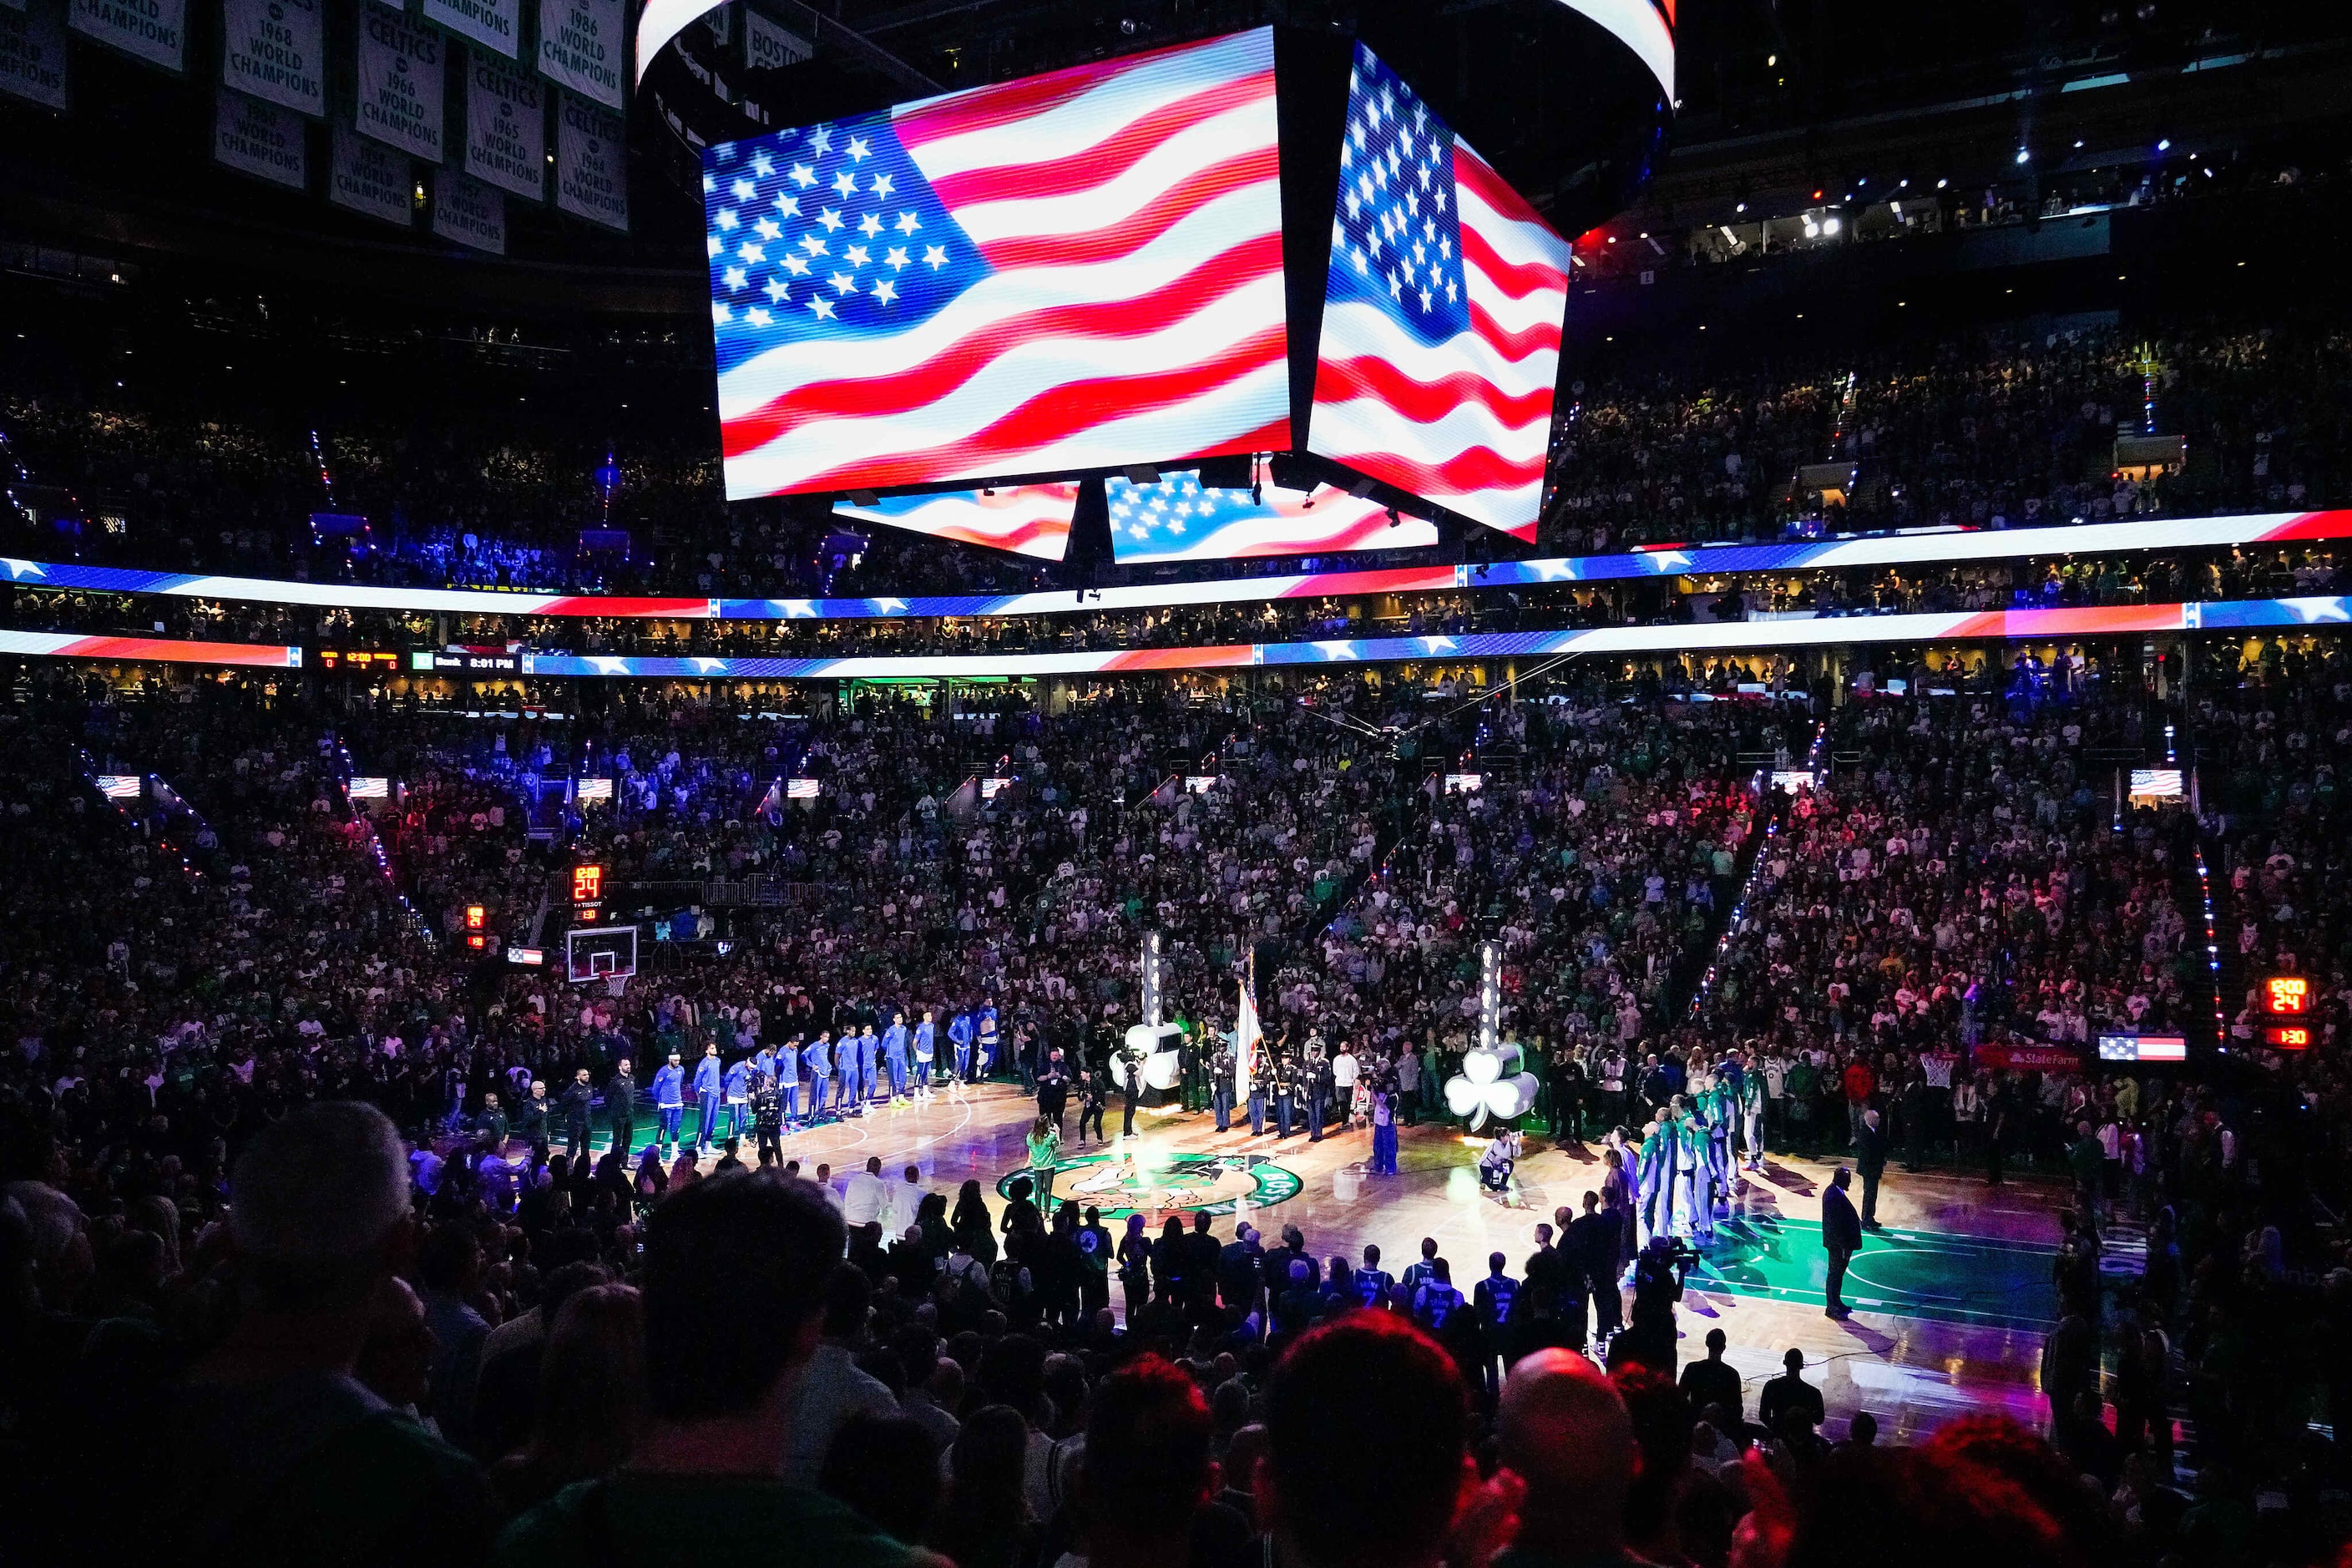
(1949, 1301)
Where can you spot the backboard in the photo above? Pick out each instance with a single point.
(599, 953)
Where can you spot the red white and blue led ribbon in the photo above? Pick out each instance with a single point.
(1932, 548)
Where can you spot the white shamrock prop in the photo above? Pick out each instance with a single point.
(1480, 1090)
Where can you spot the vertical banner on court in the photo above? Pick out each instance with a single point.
(261, 139)
(32, 55)
(592, 164)
(493, 24)
(156, 31)
(369, 178)
(506, 126)
(400, 86)
(768, 46)
(275, 50)
(469, 213)
(582, 47)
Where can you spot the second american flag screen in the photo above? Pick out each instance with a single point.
(1085, 271)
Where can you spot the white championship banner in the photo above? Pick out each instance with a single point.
(506, 126)
(369, 178)
(156, 31)
(32, 55)
(402, 90)
(469, 212)
(493, 24)
(592, 164)
(275, 50)
(261, 139)
(583, 46)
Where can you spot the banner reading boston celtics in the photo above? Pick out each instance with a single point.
(581, 47)
(33, 54)
(493, 24)
(261, 139)
(273, 50)
(592, 164)
(156, 31)
(401, 89)
(506, 126)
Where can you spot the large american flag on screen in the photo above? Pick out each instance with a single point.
(1079, 270)
(1180, 520)
(1442, 320)
(1028, 520)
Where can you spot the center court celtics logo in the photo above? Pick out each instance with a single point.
(1157, 1184)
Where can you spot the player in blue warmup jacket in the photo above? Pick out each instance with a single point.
(819, 1058)
(926, 1047)
(959, 1036)
(669, 1104)
(893, 1056)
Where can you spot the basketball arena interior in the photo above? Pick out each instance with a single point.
(1175, 784)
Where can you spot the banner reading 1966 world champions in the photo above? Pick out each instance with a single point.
(401, 89)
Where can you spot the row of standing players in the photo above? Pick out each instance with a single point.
(764, 1093)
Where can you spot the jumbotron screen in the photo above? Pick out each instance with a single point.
(1027, 520)
(1178, 519)
(1441, 316)
(1081, 270)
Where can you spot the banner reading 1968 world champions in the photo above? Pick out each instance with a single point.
(275, 50)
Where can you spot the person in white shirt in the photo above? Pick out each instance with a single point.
(864, 1197)
(1343, 1081)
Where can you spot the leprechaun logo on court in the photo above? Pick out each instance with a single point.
(1160, 1184)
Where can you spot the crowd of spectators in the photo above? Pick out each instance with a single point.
(490, 1335)
(2003, 429)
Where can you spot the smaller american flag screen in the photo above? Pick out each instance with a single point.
(1442, 316)
(1081, 270)
(1178, 519)
(1028, 520)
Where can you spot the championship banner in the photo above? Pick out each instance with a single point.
(592, 164)
(583, 46)
(369, 178)
(261, 139)
(275, 50)
(13, 4)
(401, 89)
(768, 46)
(493, 24)
(156, 31)
(506, 127)
(469, 213)
(32, 55)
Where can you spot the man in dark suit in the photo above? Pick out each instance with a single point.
(621, 1106)
(1840, 1237)
(1238, 1271)
(578, 1105)
(1870, 1159)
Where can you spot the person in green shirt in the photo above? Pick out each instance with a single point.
(723, 1254)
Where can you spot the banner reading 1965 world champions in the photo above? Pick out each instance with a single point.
(582, 47)
(506, 126)
(275, 50)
